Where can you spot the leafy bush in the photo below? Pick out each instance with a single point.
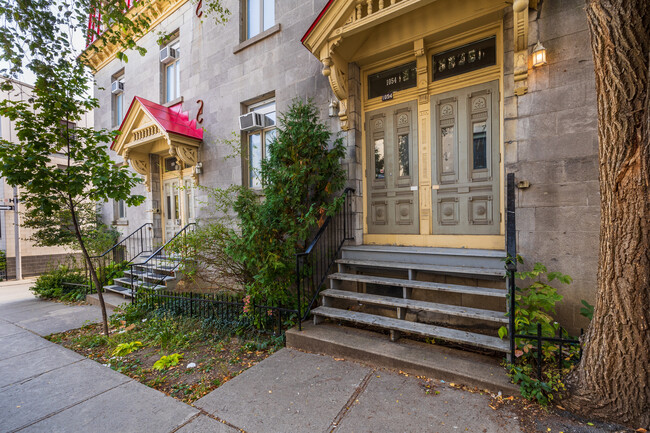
(535, 305)
(298, 178)
(167, 361)
(124, 349)
(50, 284)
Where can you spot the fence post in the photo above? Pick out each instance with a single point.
(298, 259)
(539, 351)
(511, 250)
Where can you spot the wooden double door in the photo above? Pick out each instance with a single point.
(465, 165)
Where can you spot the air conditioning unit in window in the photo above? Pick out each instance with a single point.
(167, 55)
(251, 121)
(117, 87)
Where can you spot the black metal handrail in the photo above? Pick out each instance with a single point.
(314, 264)
(138, 242)
(159, 261)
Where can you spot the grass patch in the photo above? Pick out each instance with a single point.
(220, 351)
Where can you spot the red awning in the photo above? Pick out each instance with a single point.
(171, 119)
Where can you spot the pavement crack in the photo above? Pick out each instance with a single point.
(49, 415)
(348, 405)
(222, 421)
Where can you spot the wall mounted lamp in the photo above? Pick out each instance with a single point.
(539, 55)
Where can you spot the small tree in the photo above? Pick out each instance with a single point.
(302, 171)
(39, 39)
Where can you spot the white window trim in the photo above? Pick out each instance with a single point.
(260, 108)
(175, 44)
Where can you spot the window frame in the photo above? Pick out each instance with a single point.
(265, 107)
(262, 26)
(118, 112)
(175, 44)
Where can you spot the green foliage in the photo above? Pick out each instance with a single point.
(50, 284)
(535, 304)
(299, 177)
(587, 310)
(167, 361)
(124, 349)
(3, 263)
(542, 391)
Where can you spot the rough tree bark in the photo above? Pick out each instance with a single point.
(613, 379)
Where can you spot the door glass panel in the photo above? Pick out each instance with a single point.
(176, 205)
(480, 145)
(404, 157)
(380, 152)
(447, 149)
(169, 208)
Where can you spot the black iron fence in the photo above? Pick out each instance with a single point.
(562, 339)
(315, 263)
(226, 308)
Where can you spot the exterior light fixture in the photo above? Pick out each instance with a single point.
(539, 55)
(333, 108)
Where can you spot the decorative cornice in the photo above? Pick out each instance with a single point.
(96, 56)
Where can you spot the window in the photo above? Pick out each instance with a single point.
(257, 141)
(118, 101)
(260, 16)
(172, 74)
(119, 212)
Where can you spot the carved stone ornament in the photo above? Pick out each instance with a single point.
(140, 164)
(339, 85)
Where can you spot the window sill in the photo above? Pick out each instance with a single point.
(173, 102)
(255, 39)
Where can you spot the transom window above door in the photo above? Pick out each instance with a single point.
(260, 16)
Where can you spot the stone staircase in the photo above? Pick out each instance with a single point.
(455, 295)
(159, 274)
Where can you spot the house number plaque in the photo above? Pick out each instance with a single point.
(464, 59)
(391, 80)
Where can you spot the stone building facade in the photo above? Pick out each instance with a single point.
(437, 101)
(35, 260)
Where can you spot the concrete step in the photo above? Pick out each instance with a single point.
(412, 357)
(124, 291)
(465, 257)
(447, 334)
(414, 305)
(126, 284)
(112, 300)
(422, 285)
(150, 277)
(465, 271)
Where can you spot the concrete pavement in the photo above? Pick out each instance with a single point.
(45, 387)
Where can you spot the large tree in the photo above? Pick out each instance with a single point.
(613, 378)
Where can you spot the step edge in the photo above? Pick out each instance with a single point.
(503, 347)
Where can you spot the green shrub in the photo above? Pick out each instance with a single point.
(535, 304)
(299, 177)
(50, 284)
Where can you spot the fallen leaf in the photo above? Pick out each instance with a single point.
(560, 407)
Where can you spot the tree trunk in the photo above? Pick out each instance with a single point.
(613, 379)
(91, 268)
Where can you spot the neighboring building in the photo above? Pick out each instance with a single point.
(437, 101)
(35, 260)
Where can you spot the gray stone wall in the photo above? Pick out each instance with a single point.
(551, 141)
(225, 80)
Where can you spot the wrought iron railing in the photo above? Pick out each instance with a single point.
(161, 265)
(511, 269)
(314, 264)
(135, 245)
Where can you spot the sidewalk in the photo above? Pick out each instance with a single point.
(47, 388)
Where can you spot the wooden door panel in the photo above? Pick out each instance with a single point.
(465, 148)
(392, 170)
